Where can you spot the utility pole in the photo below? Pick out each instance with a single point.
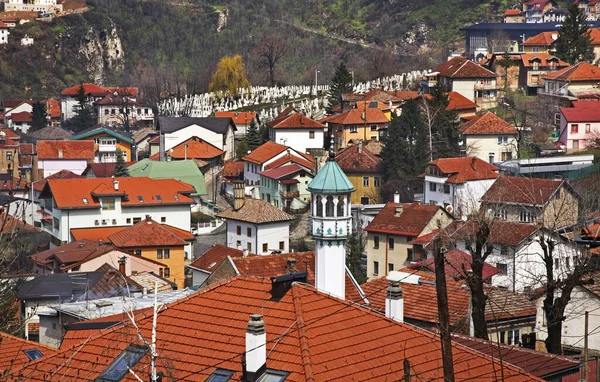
(443, 314)
(585, 348)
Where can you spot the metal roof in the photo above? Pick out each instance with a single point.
(331, 180)
(183, 170)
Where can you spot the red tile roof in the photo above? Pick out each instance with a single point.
(96, 233)
(73, 252)
(512, 12)
(309, 334)
(355, 117)
(461, 170)
(542, 39)
(233, 169)
(12, 224)
(53, 108)
(593, 104)
(213, 257)
(581, 114)
(197, 148)
(238, 117)
(22, 117)
(459, 102)
(69, 193)
(594, 36)
(65, 150)
(352, 161)
(544, 59)
(488, 123)
(457, 264)
(292, 159)
(12, 352)
(256, 211)
(148, 233)
(295, 121)
(460, 67)
(522, 190)
(280, 172)
(264, 152)
(92, 89)
(102, 170)
(579, 72)
(411, 221)
(16, 184)
(62, 174)
(501, 232)
(10, 134)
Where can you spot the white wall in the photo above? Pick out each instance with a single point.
(465, 88)
(52, 166)
(469, 194)
(481, 146)
(23, 107)
(271, 234)
(299, 139)
(181, 135)
(198, 277)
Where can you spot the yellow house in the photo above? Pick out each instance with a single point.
(106, 144)
(155, 241)
(363, 168)
(356, 125)
(540, 43)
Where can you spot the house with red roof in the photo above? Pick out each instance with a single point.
(207, 263)
(489, 138)
(457, 184)
(16, 352)
(580, 125)
(462, 75)
(572, 82)
(363, 168)
(286, 187)
(540, 43)
(513, 16)
(356, 125)
(535, 10)
(533, 67)
(298, 132)
(94, 93)
(241, 119)
(119, 106)
(18, 115)
(390, 233)
(74, 156)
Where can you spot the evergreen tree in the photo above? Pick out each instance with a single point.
(354, 260)
(444, 125)
(38, 116)
(85, 117)
(241, 149)
(341, 83)
(121, 169)
(506, 63)
(253, 136)
(574, 43)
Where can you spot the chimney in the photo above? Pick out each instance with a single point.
(399, 209)
(100, 242)
(394, 302)
(238, 194)
(290, 266)
(396, 197)
(116, 184)
(245, 252)
(60, 153)
(256, 347)
(122, 261)
(360, 144)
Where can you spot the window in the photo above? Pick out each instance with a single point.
(574, 128)
(513, 337)
(159, 253)
(140, 198)
(33, 354)
(163, 219)
(503, 139)
(138, 252)
(568, 262)
(501, 214)
(108, 204)
(575, 144)
(409, 254)
(128, 220)
(375, 242)
(311, 135)
(587, 128)
(535, 49)
(136, 220)
(106, 111)
(377, 181)
(373, 127)
(391, 243)
(220, 375)
(329, 206)
(526, 217)
(281, 245)
(249, 232)
(432, 187)
(364, 200)
(167, 253)
(536, 65)
(556, 263)
(160, 272)
(504, 250)
(167, 272)
(124, 361)
(238, 230)
(265, 247)
(390, 267)
(446, 188)
(85, 201)
(365, 181)
(273, 376)
(112, 111)
(269, 198)
(354, 129)
(503, 268)
(340, 129)
(249, 247)
(375, 268)
(557, 119)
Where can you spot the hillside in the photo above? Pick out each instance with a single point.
(172, 47)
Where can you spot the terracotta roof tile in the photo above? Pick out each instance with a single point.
(501, 232)
(579, 72)
(103, 170)
(460, 67)
(12, 352)
(461, 170)
(213, 257)
(295, 121)
(459, 102)
(280, 172)
(16, 184)
(542, 39)
(95, 234)
(264, 152)
(73, 252)
(53, 108)
(352, 161)
(147, 233)
(233, 169)
(355, 117)
(62, 174)
(488, 123)
(256, 211)
(92, 89)
(238, 117)
(22, 117)
(197, 148)
(522, 190)
(12, 224)
(581, 114)
(457, 262)
(512, 12)
(65, 150)
(293, 159)
(544, 59)
(410, 222)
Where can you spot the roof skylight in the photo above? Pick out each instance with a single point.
(124, 361)
(33, 354)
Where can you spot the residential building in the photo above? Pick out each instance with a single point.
(256, 225)
(298, 132)
(457, 184)
(533, 67)
(93, 93)
(50, 133)
(540, 43)
(457, 263)
(569, 84)
(19, 121)
(507, 77)
(4, 33)
(363, 168)
(32, 6)
(463, 76)
(93, 202)
(286, 187)
(207, 157)
(9, 151)
(207, 263)
(241, 119)
(556, 15)
(106, 144)
(298, 302)
(389, 235)
(232, 171)
(102, 170)
(141, 139)
(219, 132)
(536, 9)
(356, 125)
(595, 40)
(580, 126)
(54, 156)
(552, 203)
(464, 107)
(185, 171)
(489, 138)
(590, 8)
(513, 16)
(551, 167)
(120, 106)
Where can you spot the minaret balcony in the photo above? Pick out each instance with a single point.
(330, 227)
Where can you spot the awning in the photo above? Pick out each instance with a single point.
(290, 181)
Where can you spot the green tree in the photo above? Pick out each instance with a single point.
(85, 117)
(574, 43)
(341, 83)
(38, 116)
(442, 124)
(354, 261)
(241, 149)
(121, 169)
(506, 63)
(230, 76)
(253, 137)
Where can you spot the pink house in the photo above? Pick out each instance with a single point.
(580, 125)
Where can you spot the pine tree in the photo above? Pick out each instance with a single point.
(85, 117)
(574, 43)
(121, 169)
(241, 149)
(341, 83)
(445, 124)
(354, 260)
(253, 136)
(38, 116)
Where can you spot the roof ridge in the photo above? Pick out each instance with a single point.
(302, 335)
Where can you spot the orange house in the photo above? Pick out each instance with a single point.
(106, 144)
(356, 125)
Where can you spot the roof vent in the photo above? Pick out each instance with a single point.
(281, 284)
(81, 245)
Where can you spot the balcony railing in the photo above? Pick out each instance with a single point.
(107, 148)
(486, 86)
(290, 194)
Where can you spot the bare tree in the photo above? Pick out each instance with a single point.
(269, 51)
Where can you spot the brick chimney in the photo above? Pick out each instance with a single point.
(122, 262)
(394, 302)
(290, 267)
(256, 347)
(238, 194)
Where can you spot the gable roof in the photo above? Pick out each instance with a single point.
(216, 125)
(581, 114)
(91, 89)
(501, 232)
(256, 211)
(12, 352)
(457, 263)
(149, 233)
(62, 174)
(96, 234)
(238, 117)
(460, 67)
(527, 59)
(522, 190)
(264, 152)
(102, 170)
(542, 39)
(280, 172)
(23, 116)
(411, 221)
(209, 261)
(315, 337)
(355, 117)
(578, 72)
(185, 171)
(488, 123)
(101, 131)
(74, 252)
(64, 150)
(292, 159)
(459, 102)
(69, 193)
(233, 169)
(295, 121)
(195, 148)
(461, 170)
(351, 160)
(512, 12)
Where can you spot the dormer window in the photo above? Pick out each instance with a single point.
(108, 204)
(117, 370)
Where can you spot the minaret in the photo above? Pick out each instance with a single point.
(331, 224)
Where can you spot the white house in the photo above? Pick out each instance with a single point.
(219, 132)
(458, 184)
(69, 102)
(298, 132)
(241, 119)
(3, 33)
(256, 225)
(206, 264)
(32, 5)
(489, 138)
(54, 156)
(116, 107)
(580, 125)
(568, 83)
(286, 187)
(93, 202)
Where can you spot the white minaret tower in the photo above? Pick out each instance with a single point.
(331, 223)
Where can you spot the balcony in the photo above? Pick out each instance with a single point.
(479, 86)
(289, 195)
(107, 148)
